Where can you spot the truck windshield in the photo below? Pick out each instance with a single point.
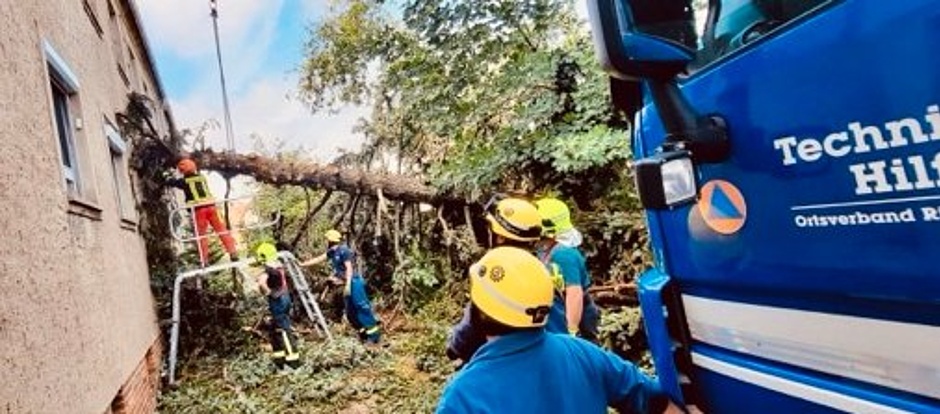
(715, 28)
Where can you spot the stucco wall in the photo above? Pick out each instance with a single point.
(77, 315)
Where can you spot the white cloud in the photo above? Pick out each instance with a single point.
(316, 7)
(259, 99)
(266, 109)
(184, 27)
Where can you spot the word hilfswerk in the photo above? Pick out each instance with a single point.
(909, 173)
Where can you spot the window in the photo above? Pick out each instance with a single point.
(64, 88)
(716, 28)
(122, 188)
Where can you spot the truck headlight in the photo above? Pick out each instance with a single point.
(666, 180)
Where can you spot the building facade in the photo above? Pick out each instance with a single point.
(78, 328)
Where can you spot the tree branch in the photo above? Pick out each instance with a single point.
(349, 206)
(302, 231)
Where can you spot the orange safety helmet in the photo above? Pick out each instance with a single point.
(186, 166)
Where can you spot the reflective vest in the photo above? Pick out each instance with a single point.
(196, 189)
(558, 280)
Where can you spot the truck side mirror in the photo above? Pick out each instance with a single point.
(665, 179)
(626, 53)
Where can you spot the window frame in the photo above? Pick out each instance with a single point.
(712, 20)
(62, 80)
(117, 154)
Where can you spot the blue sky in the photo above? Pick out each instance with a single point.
(262, 46)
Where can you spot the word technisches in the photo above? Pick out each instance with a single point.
(883, 176)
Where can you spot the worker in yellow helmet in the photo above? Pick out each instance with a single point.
(512, 222)
(273, 284)
(358, 307)
(557, 250)
(524, 369)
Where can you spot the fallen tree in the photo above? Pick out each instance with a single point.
(277, 171)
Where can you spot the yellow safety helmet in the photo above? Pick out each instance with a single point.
(515, 218)
(266, 253)
(512, 287)
(556, 218)
(333, 236)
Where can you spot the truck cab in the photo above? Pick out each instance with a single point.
(787, 153)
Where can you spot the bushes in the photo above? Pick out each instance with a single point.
(621, 331)
(339, 376)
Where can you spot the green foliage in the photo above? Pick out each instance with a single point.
(339, 50)
(479, 94)
(617, 249)
(621, 330)
(417, 276)
(579, 150)
(338, 376)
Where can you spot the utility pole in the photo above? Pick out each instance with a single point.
(229, 134)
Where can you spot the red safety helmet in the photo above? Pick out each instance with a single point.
(186, 166)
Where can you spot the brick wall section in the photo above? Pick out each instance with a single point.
(139, 394)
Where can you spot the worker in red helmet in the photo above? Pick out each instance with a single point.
(196, 190)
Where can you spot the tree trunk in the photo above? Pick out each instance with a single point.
(308, 174)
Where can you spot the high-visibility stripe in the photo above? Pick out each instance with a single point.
(198, 188)
(287, 344)
(892, 354)
(372, 330)
(806, 392)
(494, 293)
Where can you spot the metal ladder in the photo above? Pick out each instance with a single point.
(300, 284)
(309, 301)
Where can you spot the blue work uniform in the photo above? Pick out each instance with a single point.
(540, 372)
(571, 264)
(357, 304)
(464, 339)
(281, 333)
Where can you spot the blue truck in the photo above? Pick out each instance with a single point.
(787, 153)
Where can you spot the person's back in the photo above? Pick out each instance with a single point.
(523, 369)
(539, 372)
(512, 222)
(559, 247)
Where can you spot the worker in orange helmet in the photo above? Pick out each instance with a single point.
(196, 190)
